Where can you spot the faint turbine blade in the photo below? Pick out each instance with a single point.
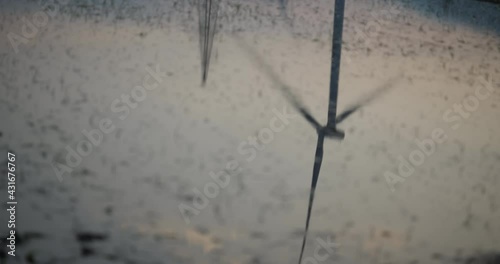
(347, 113)
(318, 159)
(276, 81)
(375, 94)
(207, 14)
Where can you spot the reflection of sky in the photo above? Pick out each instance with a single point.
(479, 15)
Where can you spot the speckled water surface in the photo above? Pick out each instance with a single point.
(121, 202)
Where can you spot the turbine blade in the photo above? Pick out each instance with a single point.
(346, 113)
(375, 94)
(318, 159)
(277, 82)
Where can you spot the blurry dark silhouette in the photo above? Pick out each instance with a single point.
(330, 130)
(207, 15)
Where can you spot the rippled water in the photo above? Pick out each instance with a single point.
(120, 203)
